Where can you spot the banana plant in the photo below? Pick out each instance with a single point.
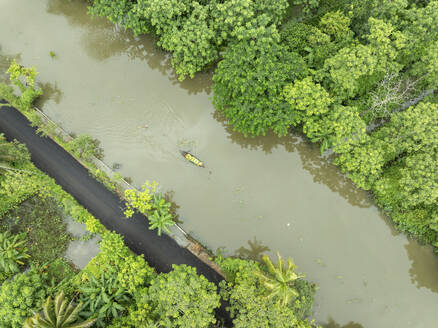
(160, 218)
(57, 314)
(13, 252)
(279, 279)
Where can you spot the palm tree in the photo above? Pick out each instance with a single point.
(279, 280)
(58, 315)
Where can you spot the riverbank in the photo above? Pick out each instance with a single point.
(75, 179)
(308, 209)
(133, 273)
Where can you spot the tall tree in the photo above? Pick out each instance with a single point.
(249, 81)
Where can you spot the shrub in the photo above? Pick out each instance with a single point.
(56, 314)
(85, 147)
(103, 297)
(13, 253)
(29, 93)
(110, 280)
(41, 220)
(22, 295)
(139, 200)
(160, 217)
(180, 298)
(249, 306)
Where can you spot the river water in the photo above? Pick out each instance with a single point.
(255, 196)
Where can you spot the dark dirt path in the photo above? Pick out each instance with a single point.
(160, 252)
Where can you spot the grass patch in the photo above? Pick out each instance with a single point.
(47, 236)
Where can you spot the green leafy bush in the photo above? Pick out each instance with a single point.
(160, 217)
(249, 81)
(180, 298)
(57, 314)
(40, 218)
(20, 296)
(85, 147)
(102, 297)
(152, 204)
(110, 280)
(13, 253)
(133, 272)
(15, 187)
(249, 306)
(13, 155)
(139, 200)
(28, 92)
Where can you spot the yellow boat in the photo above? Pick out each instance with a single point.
(192, 159)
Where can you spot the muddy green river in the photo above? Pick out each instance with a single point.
(255, 196)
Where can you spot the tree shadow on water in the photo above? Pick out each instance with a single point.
(169, 196)
(319, 166)
(254, 251)
(51, 91)
(5, 62)
(424, 265)
(324, 172)
(102, 40)
(332, 324)
(264, 143)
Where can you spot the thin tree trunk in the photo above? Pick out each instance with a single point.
(375, 125)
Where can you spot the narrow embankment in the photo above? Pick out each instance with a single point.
(160, 252)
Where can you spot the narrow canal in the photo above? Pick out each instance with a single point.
(255, 196)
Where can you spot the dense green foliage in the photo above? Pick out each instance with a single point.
(85, 147)
(109, 282)
(40, 219)
(195, 31)
(180, 298)
(345, 73)
(152, 204)
(24, 79)
(249, 82)
(249, 304)
(117, 282)
(279, 280)
(12, 155)
(18, 297)
(118, 288)
(103, 297)
(57, 314)
(13, 253)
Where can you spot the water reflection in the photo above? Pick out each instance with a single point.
(169, 197)
(104, 40)
(69, 9)
(5, 62)
(332, 324)
(51, 91)
(424, 265)
(254, 252)
(321, 168)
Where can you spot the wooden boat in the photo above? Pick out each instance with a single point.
(192, 159)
